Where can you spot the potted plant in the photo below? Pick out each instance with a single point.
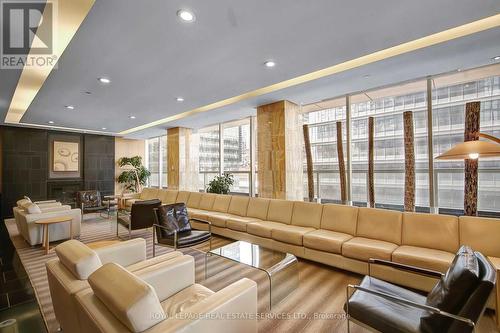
(134, 175)
(221, 184)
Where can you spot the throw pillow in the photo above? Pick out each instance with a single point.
(182, 218)
(32, 208)
(27, 198)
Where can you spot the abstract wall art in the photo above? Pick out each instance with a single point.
(66, 156)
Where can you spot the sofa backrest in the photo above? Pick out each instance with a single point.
(239, 205)
(221, 203)
(149, 193)
(280, 211)
(207, 201)
(183, 197)
(167, 196)
(340, 218)
(78, 258)
(258, 208)
(194, 200)
(307, 214)
(133, 301)
(480, 233)
(379, 224)
(432, 231)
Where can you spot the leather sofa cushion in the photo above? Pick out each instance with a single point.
(421, 229)
(383, 315)
(453, 290)
(290, 234)
(207, 201)
(218, 219)
(380, 224)
(33, 208)
(20, 203)
(78, 258)
(258, 208)
(239, 223)
(280, 211)
(307, 214)
(481, 234)
(199, 214)
(364, 248)
(182, 196)
(167, 196)
(340, 218)
(239, 205)
(149, 193)
(262, 229)
(184, 299)
(130, 299)
(194, 200)
(221, 203)
(326, 240)
(436, 260)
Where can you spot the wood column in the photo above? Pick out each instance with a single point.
(279, 151)
(409, 162)
(173, 158)
(310, 173)
(182, 159)
(340, 158)
(371, 190)
(472, 111)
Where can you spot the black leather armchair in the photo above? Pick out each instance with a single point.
(172, 228)
(141, 216)
(90, 202)
(455, 304)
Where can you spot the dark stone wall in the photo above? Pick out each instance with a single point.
(25, 164)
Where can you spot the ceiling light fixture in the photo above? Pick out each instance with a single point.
(104, 128)
(186, 15)
(270, 63)
(180, 99)
(132, 117)
(104, 80)
(495, 58)
(50, 122)
(71, 107)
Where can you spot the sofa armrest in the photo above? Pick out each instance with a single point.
(232, 309)
(159, 276)
(412, 269)
(131, 196)
(124, 253)
(30, 218)
(49, 204)
(54, 208)
(45, 202)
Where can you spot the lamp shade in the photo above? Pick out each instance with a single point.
(471, 150)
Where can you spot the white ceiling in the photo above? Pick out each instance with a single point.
(152, 57)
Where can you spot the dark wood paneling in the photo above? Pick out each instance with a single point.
(99, 163)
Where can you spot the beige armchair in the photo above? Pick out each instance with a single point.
(68, 273)
(119, 301)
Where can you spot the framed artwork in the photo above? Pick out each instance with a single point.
(66, 156)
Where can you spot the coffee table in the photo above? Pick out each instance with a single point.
(281, 268)
(45, 223)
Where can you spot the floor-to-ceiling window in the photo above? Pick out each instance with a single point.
(153, 163)
(209, 154)
(236, 150)
(164, 168)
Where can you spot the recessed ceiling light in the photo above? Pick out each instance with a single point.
(104, 128)
(104, 80)
(132, 117)
(366, 76)
(459, 69)
(496, 58)
(186, 15)
(88, 93)
(270, 63)
(50, 122)
(71, 107)
(179, 99)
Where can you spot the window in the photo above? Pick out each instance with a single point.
(209, 154)
(164, 166)
(153, 161)
(236, 145)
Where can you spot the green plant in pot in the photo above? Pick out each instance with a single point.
(134, 176)
(221, 184)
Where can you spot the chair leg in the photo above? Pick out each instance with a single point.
(154, 234)
(129, 230)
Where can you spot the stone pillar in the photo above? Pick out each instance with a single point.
(409, 162)
(279, 149)
(182, 159)
(310, 172)
(471, 133)
(340, 158)
(371, 167)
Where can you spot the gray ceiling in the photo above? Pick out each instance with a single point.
(152, 57)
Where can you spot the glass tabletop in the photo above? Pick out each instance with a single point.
(255, 255)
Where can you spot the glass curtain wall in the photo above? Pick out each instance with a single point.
(153, 163)
(209, 155)
(164, 167)
(236, 147)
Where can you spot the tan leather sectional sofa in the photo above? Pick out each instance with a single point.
(344, 236)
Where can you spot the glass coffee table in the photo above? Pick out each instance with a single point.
(281, 268)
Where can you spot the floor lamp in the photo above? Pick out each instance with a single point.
(473, 150)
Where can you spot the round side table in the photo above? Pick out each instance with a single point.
(45, 228)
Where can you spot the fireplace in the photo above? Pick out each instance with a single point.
(64, 190)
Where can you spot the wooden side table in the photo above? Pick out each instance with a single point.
(45, 229)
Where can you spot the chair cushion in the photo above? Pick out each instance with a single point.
(436, 260)
(167, 196)
(239, 205)
(199, 214)
(453, 290)
(290, 234)
(183, 197)
(207, 201)
(481, 234)
(262, 229)
(221, 203)
(194, 200)
(326, 240)
(149, 193)
(33, 208)
(173, 217)
(184, 299)
(340, 218)
(78, 258)
(20, 203)
(127, 297)
(380, 224)
(280, 211)
(364, 248)
(218, 219)
(239, 223)
(384, 315)
(188, 238)
(258, 208)
(307, 214)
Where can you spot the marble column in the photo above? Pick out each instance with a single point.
(182, 159)
(409, 162)
(310, 173)
(472, 111)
